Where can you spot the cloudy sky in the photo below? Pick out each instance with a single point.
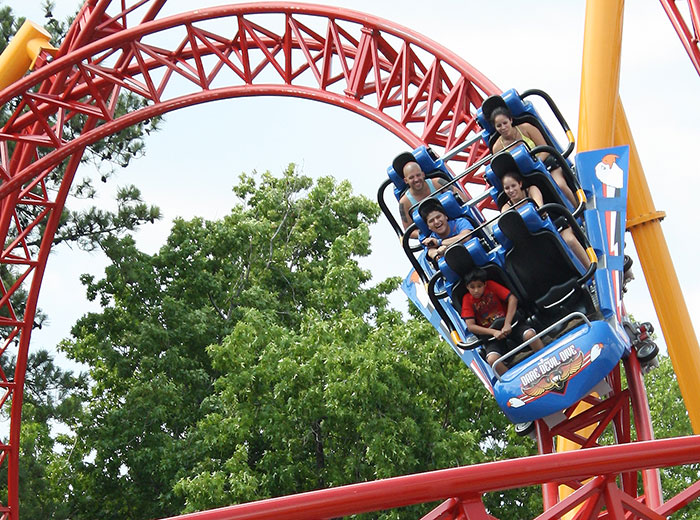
(192, 163)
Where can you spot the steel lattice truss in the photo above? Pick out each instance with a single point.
(416, 89)
(686, 20)
(410, 85)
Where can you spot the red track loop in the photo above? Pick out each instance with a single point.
(471, 482)
(410, 85)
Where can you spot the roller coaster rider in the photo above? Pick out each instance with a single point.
(444, 232)
(489, 310)
(502, 120)
(419, 188)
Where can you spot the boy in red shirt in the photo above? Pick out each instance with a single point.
(486, 302)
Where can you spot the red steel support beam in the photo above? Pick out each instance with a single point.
(412, 86)
(687, 29)
(465, 481)
(645, 431)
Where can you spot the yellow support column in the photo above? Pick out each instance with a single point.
(23, 50)
(644, 222)
(600, 77)
(600, 73)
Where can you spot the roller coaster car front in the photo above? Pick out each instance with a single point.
(562, 373)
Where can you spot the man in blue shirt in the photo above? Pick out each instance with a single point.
(444, 232)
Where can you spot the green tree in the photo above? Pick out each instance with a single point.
(85, 227)
(52, 396)
(670, 419)
(352, 397)
(251, 357)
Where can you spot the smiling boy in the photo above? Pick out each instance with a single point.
(483, 306)
(444, 232)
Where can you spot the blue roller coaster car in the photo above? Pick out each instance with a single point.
(562, 373)
(576, 310)
(584, 340)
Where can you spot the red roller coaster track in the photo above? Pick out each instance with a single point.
(687, 26)
(410, 85)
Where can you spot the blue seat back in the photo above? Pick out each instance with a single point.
(425, 159)
(520, 110)
(452, 208)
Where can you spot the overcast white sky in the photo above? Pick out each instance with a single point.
(192, 163)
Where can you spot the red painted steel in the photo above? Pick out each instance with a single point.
(410, 85)
(413, 87)
(472, 481)
(545, 444)
(680, 500)
(687, 25)
(642, 418)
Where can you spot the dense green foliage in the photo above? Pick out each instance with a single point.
(251, 357)
(670, 419)
(52, 401)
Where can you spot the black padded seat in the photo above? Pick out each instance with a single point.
(402, 160)
(458, 259)
(544, 270)
(504, 163)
